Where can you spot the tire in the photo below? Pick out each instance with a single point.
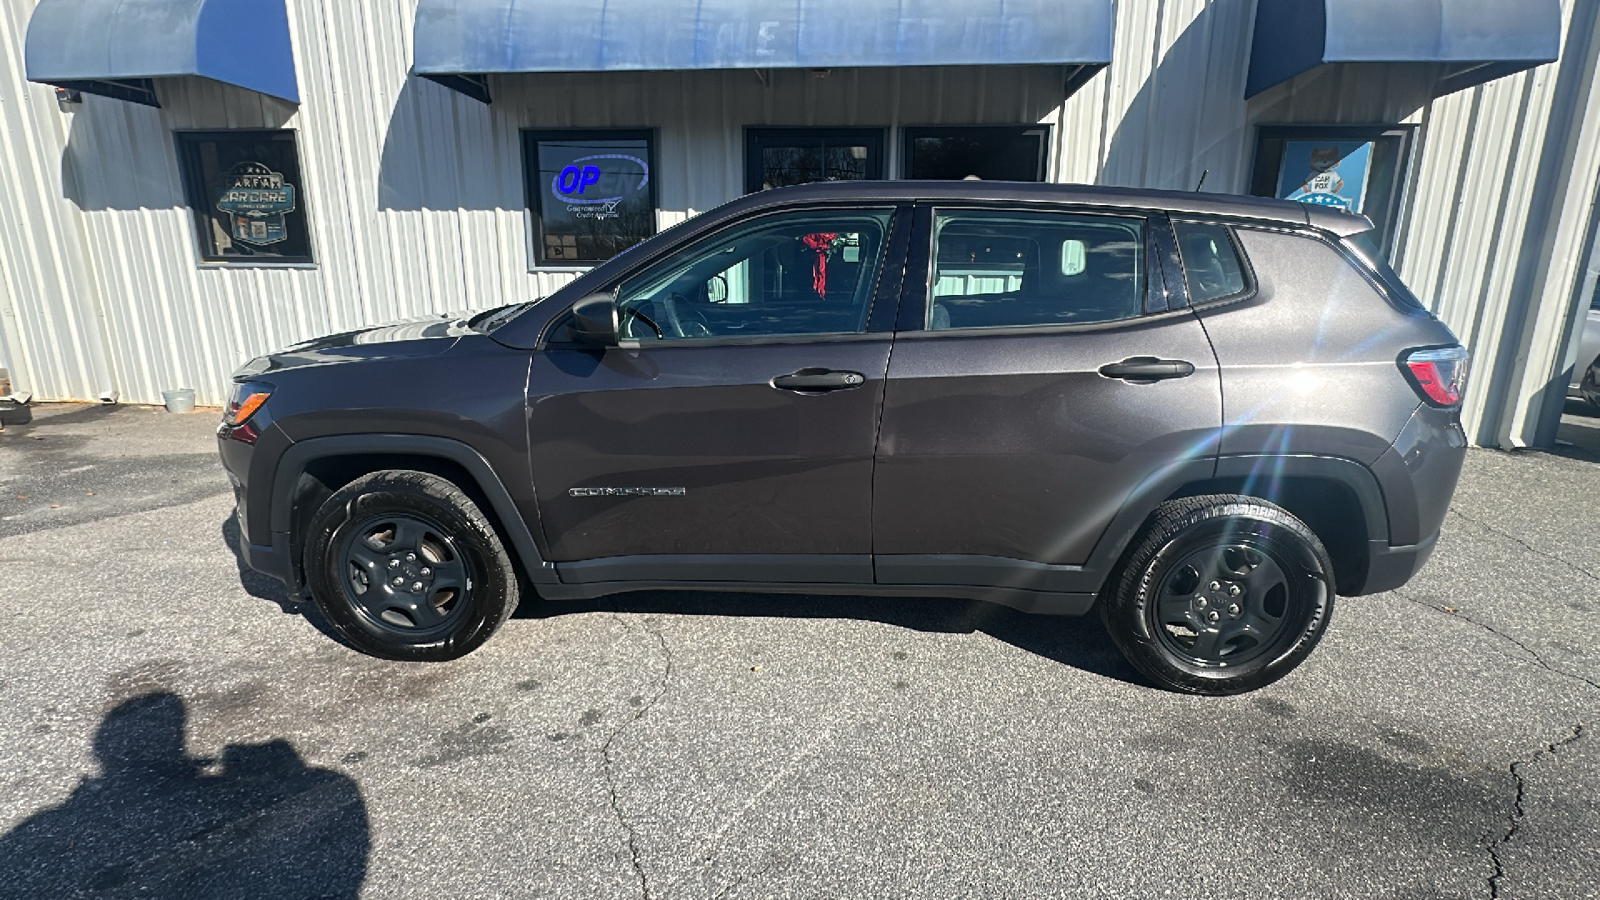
(1219, 594)
(446, 582)
(1590, 388)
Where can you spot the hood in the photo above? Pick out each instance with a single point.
(419, 336)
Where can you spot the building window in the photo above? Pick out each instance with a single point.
(1360, 169)
(990, 154)
(591, 193)
(246, 195)
(776, 157)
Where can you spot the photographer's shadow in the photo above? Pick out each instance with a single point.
(256, 822)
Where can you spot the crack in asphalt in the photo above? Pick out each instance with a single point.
(1532, 654)
(1525, 545)
(1514, 821)
(605, 755)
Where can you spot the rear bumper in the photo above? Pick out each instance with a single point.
(1418, 478)
(1390, 567)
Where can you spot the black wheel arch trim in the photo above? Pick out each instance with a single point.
(299, 456)
(1358, 478)
(1361, 481)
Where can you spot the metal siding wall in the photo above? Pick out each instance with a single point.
(415, 194)
(55, 340)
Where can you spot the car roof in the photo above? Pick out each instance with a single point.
(1181, 202)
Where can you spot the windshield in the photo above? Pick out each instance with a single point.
(1365, 246)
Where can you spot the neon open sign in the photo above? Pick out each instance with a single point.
(573, 183)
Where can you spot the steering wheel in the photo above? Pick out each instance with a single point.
(686, 321)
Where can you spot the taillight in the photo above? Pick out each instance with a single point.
(246, 399)
(1439, 374)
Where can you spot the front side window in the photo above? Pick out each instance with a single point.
(591, 194)
(994, 269)
(1211, 266)
(794, 273)
(778, 157)
(981, 153)
(246, 196)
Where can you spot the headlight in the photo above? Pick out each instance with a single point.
(247, 398)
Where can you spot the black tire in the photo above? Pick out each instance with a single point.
(446, 585)
(1197, 603)
(1590, 388)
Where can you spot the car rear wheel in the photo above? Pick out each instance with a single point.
(405, 566)
(1219, 594)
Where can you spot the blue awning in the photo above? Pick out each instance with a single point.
(458, 42)
(115, 47)
(1469, 41)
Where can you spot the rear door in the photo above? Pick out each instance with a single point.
(730, 437)
(1038, 380)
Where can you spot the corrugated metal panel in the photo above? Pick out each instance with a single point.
(57, 347)
(416, 201)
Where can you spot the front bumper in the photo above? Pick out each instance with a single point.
(250, 465)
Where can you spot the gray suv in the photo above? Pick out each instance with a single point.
(1207, 415)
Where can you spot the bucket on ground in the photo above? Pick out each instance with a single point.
(179, 400)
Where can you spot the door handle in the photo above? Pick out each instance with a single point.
(1147, 369)
(818, 381)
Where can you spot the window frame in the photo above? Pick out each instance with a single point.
(1265, 167)
(533, 194)
(1159, 299)
(882, 308)
(909, 134)
(1246, 270)
(876, 140)
(197, 197)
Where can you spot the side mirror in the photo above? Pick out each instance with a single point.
(595, 320)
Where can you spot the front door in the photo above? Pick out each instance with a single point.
(1044, 382)
(730, 437)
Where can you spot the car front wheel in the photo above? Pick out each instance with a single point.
(1219, 594)
(405, 566)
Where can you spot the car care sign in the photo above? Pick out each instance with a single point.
(1326, 173)
(258, 200)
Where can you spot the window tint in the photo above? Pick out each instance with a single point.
(1211, 266)
(786, 274)
(1024, 268)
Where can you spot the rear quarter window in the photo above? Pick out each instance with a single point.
(1212, 267)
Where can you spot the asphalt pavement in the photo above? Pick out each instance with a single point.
(171, 725)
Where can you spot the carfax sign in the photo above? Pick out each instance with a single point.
(1326, 173)
(259, 200)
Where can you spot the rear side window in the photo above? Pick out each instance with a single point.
(1013, 269)
(1211, 266)
(1365, 246)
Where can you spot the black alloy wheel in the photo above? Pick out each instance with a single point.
(1219, 594)
(1222, 604)
(404, 573)
(406, 566)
